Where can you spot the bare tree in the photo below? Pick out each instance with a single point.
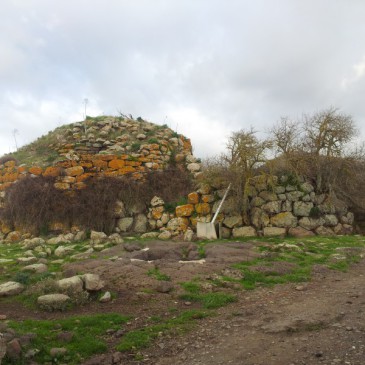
(286, 134)
(245, 152)
(327, 132)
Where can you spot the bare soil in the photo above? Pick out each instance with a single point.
(319, 322)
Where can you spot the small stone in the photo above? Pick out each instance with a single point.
(3, 317)
(187, 303)
(58, 351)
(106, 297)
(164, 287)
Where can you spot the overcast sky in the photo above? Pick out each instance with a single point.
(203, 67)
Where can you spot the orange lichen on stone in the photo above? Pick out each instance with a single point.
(202, 208)
(67, 179)
(157, 212)
(22, 169)
(185, 210)
(107, 157)
(10, 177)
(5, 228)
(62, 186)
(65, 164)
(52, 171)
(144, 159)
(207, 198)
(74, 171)
(133, 163)
(84, 177)
(86, 164)
(116, 164)
(35, 170)
(126, 170)
(11, 163)
(193, 198)
(100, 164)
(4, 186)
(79, 185)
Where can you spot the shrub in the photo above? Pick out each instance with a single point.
(34, 203)
(7, 158)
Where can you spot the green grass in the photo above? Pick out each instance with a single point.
(158, 275)
(312, 251)
(208, 300)
(141, 338)
(88, 336)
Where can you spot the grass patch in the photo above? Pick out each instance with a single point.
(87, 340)
(141, 338)
(158, 275)
(208, 300)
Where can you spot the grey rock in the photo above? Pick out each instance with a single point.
(165, 235)
(92, 282)
(53, 301)
(106, 297)
(246, 231)
(10, 288)
(330, 220)
(164, 287)
(36, 268)
(233, 221)
(140, 223)
(306, 187)
(310, 223)
(268, 196)
(284, 219)
(294, 196)
(73, 283)
(272, 207)
(157, 201)
(274, 231)
(300, 232)
(325, 231)
(125, 224)
(302, 209)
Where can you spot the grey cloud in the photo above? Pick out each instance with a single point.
(236, 63)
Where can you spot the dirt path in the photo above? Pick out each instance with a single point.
(322, 322)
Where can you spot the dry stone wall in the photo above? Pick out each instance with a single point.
(103, 146)
(276, 208)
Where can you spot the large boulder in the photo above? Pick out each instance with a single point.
(274, 231)
(310, 223)
(302, 209)
(300, 232)
(273, 207)
(233, 221)
(73, 283)
(140, 223)
(10, 288)
(92, 282)
(246, 231)
(36, 268)
(125, 224)
(259, 218)
(284, 219)
(53, 301)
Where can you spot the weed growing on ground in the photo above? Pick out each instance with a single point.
(141, 338)
(87, 339)
(158, 275)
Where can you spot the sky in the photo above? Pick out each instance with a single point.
(206, 68)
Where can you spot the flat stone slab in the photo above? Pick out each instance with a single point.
(36, 268)
(53, 301)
